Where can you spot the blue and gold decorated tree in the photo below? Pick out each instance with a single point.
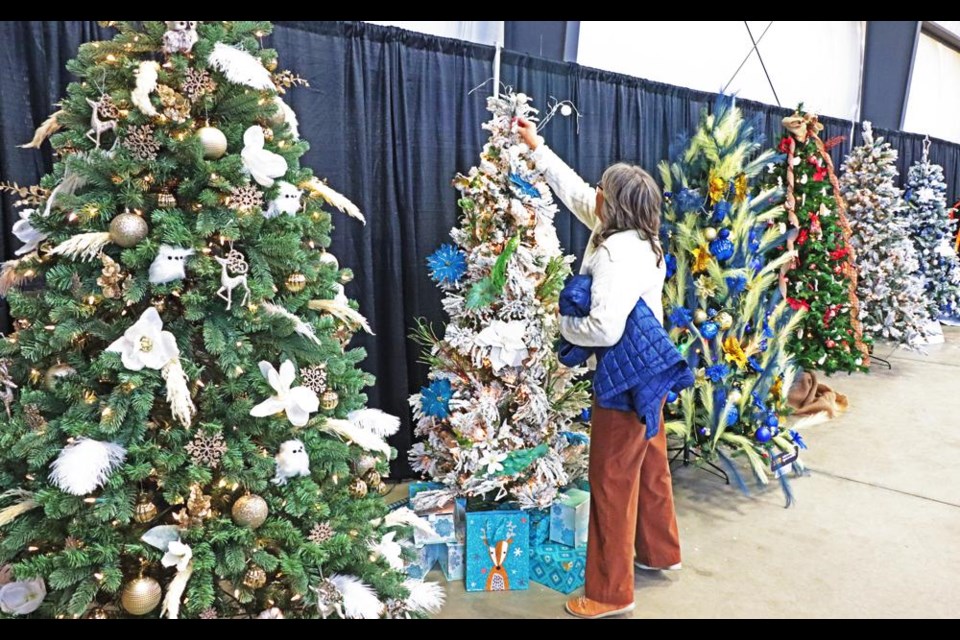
(723, 304)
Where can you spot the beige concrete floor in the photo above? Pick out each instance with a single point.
(875, 531)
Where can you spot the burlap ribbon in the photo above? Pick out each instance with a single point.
(800, 128)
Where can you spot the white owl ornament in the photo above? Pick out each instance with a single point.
(180, 36)
(169, 264)
(287, 201)
(292, 461)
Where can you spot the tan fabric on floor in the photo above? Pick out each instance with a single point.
(808, 397)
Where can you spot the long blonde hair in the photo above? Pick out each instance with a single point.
(631, 200)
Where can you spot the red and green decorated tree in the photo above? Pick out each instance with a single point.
(822, 279)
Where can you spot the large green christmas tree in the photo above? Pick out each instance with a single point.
(822, 279)
(184, 419)
(722, 301)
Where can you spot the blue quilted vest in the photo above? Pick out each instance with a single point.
(636, 373)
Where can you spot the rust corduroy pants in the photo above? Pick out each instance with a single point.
(631, 504)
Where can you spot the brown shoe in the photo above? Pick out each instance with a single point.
(584, 607)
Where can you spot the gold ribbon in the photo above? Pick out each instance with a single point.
(802, 126)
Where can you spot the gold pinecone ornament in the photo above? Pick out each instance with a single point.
(255, 577)
(141, 595)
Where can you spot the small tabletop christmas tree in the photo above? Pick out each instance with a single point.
(822, 279)
(724, 308)
(497, 416)
(184, 420)
(932, 231)
(890, 287)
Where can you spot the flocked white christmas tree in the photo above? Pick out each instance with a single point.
(890, 288)
(497, 415)
(932, 233)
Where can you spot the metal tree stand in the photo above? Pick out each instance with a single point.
(688, 454)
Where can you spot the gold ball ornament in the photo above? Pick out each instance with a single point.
(166, 200)
(372, 478)
(127, 229)
(329, 400)
(296, 282)
(97, 613)
(725, 320)
(144, 511)
(357, 488)
(699, 316)
(382, 488)
(213, 141)
(255, 577)
(250, 511)
(56, 374)
(141, 596)
(710, 233)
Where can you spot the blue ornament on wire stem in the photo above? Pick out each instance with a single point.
(671, 262)
(435, 398)
(733, 416)
(709, 329)
(763, 434)
(672, 397)
(722, 247)
(720, 211)
(772, 420)
(447, 264)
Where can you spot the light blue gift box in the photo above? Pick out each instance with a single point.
(442, 520)
(427, 556)
(497, 551)
(569, 518)
(452, 561)
(558, 566)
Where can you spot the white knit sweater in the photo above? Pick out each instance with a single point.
(624, 267)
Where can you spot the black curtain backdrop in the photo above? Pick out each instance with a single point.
(391, 120)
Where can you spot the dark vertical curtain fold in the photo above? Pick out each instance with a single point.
(390, 119)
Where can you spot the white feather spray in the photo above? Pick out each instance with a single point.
(375, 421)
(85, 465)
(240, 67)
(299, 325)
(146, 75)
(359, 599)
(425, 597)
(289, 116)
(357, 435)
(389, 550)
(406, 517)
(316, 187)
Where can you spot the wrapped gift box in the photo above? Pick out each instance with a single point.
(416, 487)
(569, 518)
(497, 551)
(558, 566)
(443, 521)
(539, 526)
(451, 560)
(427, 556)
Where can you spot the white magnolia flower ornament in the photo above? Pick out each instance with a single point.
(297, 402)
(146, 344)
(178, 555)
(21, 598)
(262, 165)
(30, 237)
(506, 342)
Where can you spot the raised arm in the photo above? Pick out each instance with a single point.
(579, 197)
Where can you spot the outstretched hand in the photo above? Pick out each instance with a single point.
(528, 133)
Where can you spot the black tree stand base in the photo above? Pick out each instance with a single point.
(705, 465)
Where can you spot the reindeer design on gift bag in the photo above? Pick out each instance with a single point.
(228, 283)
(498, 580)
